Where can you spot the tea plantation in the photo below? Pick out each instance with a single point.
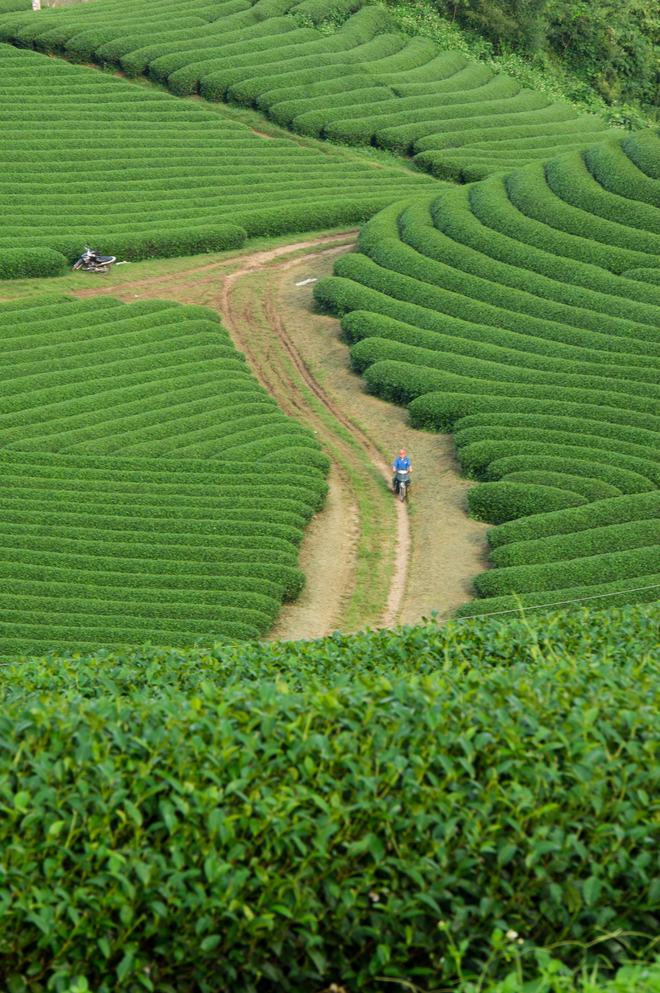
(522, 313)
(141, 497)
(289, 816)
(88, 158)
(364, 83)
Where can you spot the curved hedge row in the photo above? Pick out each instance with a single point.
(588, 570)
(248, 52)
(509, 313)
(640, 506)
(595, 596)
(496, 503)
(592, 489)
(593, 541)
(139, 499)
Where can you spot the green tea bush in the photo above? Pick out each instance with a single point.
(442, 411)
(593, 541)
(528, 190)
(201, 744)
(247, 84)
(148, 203)
(641, 506)
(553, 277)
(613, 169)
(598, 596)
(644, 275)
(119, 522)
(399, 132)
(569, 178)
(509, 130)
(314, 120)
(495, 503)
(592, 569)
(193, 48)
(642, 149)
(494, 459)
(600, 432)
(640, 455)
(26, 263)
(592, 489)
(491, 199)
(490, 313)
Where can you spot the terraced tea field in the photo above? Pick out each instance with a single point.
(364, 83)
(522, 313)
(151, 488)
(519, 312)
(91, 158)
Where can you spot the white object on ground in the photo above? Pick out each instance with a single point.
(306, 281)
(122, 263)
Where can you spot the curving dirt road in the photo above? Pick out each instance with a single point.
(369, 560)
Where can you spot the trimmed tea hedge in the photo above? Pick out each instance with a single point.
(26, 263)
(592, 489)
(139, 500)
(148, 204)
(245, 51)
(591, 569)
(500, 312)
(628, 508)
(593, 541)
(495, 503)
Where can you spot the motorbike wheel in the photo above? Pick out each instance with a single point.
(402, 491)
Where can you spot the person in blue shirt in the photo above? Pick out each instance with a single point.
(403, 462)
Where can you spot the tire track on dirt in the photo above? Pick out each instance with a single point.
(294, 398)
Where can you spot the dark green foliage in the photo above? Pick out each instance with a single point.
(506, 22)
(26, 263)
(290, 719)
(505, 501)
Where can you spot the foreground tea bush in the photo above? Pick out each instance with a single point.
(300, 814)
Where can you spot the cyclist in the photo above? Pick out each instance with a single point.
(401, 464)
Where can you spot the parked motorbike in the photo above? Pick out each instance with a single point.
(402, 483)
(92, 261)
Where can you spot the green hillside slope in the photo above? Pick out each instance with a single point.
(139, 501)
(91, 158)
(364, 83)
(523, 314)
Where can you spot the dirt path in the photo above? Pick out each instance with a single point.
(369, 560)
